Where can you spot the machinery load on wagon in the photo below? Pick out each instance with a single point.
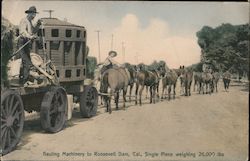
(57, 78)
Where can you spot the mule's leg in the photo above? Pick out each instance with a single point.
(101, 100)
(169, 92)
(106, 102)
(190, 84)
(194, 86)
(146, 92)
(209, 87)
(151, 93)
(157, 88)
(163, 88)
(154, 93)
(206, 87)
(212, 85)
(106, 99)
(199, 89)
(109, 104)
(186, 89)
(110, 98)
(174, 90)
(117, 99)
(181, 88)
(166, 91)
(124, 97)
(140, 93)
(136, 92)
(203, 87)
(130, 91)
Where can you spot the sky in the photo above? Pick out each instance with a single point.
(142, 31)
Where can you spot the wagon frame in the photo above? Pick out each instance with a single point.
(65, 45)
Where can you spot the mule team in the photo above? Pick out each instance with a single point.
(114, 79)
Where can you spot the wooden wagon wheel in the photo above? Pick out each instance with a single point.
(89, 101)
(12, 120)
(54, 110)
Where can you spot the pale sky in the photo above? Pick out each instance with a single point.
(152, 30)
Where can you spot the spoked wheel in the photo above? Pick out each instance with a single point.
(12, 120)
(88, 101)
(54, 110)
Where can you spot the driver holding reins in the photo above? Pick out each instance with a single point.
(27, 32)
(109, 60)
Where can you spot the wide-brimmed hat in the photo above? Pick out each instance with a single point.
(112, 54)
(32, 9)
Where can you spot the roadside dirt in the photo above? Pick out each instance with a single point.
(200, 127)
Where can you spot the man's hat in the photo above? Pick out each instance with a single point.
(112, 54)
(32, 9)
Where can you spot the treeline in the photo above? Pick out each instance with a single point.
(225, 47)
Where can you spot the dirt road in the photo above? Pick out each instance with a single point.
(200, 127)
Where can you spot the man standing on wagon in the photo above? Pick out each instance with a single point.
(27, 32)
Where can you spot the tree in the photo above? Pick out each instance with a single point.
(225, 47)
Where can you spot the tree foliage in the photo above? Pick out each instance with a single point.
(225, 47)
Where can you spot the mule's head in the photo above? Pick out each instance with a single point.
(161, 70)
(141, 67)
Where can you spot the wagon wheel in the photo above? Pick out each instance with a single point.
(12, 120)
(54, 110)
(88, 101)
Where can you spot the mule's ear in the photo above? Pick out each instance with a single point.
(180, 66)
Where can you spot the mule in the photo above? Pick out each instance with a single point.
(169, 80)
(145, 78)
(197, 81)
(116, 79)
(187, 78)
(179, 73)
(216, 77)
(132, 73)
(207, 82)
(157, 84)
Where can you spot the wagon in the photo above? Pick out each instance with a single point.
(60, 53)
